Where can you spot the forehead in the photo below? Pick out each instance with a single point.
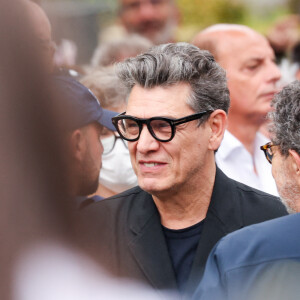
(237, 48)
(168, 101)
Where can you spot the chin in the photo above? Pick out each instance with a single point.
(157, 187)
(150, 185)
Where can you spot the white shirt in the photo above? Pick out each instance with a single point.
(237, 163)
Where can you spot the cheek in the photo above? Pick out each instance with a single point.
(132, 151)
(278, 172)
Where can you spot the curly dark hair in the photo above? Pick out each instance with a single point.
(285, 127)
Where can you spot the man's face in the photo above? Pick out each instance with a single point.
(283, 174)
(252, 74)
(154, 19)
(164, 168)
(91, 163)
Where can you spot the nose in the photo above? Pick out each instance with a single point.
(273, 72)
(147, 10)
(147, 143)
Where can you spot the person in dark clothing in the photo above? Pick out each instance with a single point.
(263, 261)
(162, 231)
(84, 119)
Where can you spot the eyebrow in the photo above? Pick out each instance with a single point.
(157, 116)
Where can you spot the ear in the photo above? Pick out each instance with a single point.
(295, 162)
(218, 123)
(78, 144)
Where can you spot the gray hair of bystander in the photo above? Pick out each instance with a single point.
(168, 64)
(106, 86)
(119, 49)
(285, 119)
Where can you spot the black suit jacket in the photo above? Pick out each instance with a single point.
(133, 244)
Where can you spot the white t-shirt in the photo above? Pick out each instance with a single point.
(237, 163)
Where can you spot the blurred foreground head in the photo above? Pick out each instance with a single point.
(41, 30)
(34, 202)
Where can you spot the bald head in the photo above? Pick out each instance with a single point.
(219, 38)
(41, 29)
(249, 63)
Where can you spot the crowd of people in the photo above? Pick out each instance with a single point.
(138, 173)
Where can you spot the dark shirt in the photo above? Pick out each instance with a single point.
(84, 201)
(182, 245)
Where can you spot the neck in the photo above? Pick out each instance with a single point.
(188, 206)
(244, 131)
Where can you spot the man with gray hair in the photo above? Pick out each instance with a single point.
(263, 261)
(162, 231)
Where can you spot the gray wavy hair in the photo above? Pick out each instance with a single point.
(285, 126)
(117, 50)
(106, 86)
(169, 64)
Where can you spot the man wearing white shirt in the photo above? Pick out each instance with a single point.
(232, 154)
(252, 76)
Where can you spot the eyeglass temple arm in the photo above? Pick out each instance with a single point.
(190, 118)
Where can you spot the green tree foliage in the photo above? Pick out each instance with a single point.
(203, 13)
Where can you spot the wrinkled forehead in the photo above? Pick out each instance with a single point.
(170, 101)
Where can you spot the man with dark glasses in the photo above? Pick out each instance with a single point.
(263, 261)
(161, 232)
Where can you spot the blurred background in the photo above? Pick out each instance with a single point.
(83, 21)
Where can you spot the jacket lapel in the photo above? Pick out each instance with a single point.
(148, 245)
(223, 216)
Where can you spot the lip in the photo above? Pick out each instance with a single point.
(151, 166)
(270, 94)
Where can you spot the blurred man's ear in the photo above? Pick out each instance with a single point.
(295, 161)
(218, 124)
(78, 144)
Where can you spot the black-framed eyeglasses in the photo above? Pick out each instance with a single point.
(110, 142)
(267, 148)
(161, 128)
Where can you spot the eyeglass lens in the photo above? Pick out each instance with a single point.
(110, 142)
(269, 154)
(130, 129)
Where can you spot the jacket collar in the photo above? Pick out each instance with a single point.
(224, 215)
(147, 242)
